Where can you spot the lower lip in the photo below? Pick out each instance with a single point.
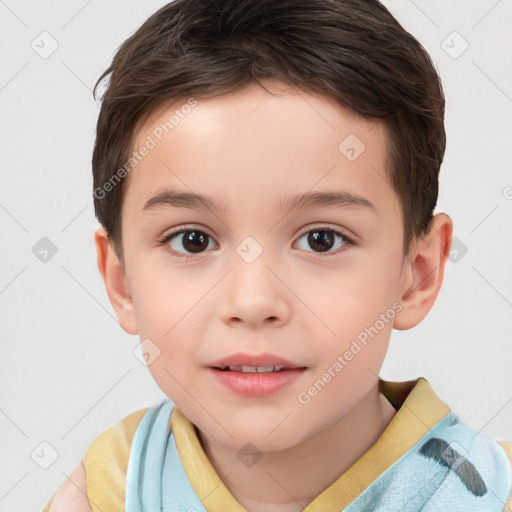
(257, 384)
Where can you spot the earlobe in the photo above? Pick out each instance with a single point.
(424, 273)
(116, 284)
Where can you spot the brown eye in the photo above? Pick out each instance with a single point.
(192, 241)
(324, 240)
(321, 240)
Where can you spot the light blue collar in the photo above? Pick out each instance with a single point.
(451, 468)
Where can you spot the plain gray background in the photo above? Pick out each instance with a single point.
(68, 369)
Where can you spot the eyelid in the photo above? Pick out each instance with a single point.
(187, 227)
(325, 226)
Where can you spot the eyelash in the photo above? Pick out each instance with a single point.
(167, 238)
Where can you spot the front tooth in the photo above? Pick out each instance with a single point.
(257, 369)
(264, 369)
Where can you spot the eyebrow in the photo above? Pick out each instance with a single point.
(177, 199)
(337, 199)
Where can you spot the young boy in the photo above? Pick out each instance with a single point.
(265, 173)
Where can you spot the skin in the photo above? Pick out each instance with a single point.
(250, 148)
(72, 494)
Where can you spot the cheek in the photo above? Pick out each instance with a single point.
(356, 300)
(161, 299)
(175, 367)
(347, 370)
(169, 317)
(359, 307)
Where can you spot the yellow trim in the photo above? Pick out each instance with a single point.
(507, 446)
(203, 478)
(106, 459)
(419, 410)
(106, 463)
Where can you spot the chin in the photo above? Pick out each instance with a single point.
(269, 437)
(266, 436)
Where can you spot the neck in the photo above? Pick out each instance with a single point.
(290, 479)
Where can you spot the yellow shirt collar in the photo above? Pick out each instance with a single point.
(418, 410)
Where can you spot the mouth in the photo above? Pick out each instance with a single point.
(254, 363)
(255, 375)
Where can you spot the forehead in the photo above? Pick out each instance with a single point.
(252, 142)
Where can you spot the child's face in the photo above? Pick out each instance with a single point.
(250, 151)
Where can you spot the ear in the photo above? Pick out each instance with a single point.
(423, 272)
(114, 277)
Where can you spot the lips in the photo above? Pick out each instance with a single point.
(254, 376)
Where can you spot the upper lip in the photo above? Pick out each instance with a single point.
(241, 359)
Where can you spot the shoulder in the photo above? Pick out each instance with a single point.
(106, 463)
(72, 494)
(100, 478)
(115, 438)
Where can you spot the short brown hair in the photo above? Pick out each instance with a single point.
(354, 51)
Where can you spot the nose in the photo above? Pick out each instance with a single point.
(252, 295)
